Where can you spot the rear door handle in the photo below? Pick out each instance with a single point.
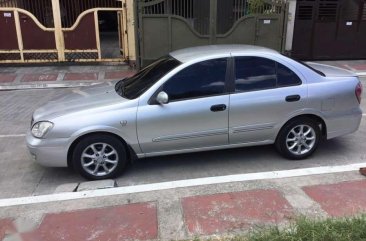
(217, 108)
(293, 98)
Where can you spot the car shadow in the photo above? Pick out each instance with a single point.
(205, 164)
(225, 162)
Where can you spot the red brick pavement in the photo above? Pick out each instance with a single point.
(359, 67)
(224, 212)
(81, 76)
(118, 74)
(126, 222)
(5, 78)
(203, 215)
(6, 227)
(341, 199)
(39, 77)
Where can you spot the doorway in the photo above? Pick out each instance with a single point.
(110, 44)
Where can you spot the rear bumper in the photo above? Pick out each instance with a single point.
(343, 124)
(48, 152)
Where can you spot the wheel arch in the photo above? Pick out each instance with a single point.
(314, 117)
(131, 155)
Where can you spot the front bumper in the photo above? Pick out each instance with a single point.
(48, 152)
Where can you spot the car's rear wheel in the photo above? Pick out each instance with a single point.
(299, 138)
(99, 157)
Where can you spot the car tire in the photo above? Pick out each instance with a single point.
(99, 156)
(298, 139)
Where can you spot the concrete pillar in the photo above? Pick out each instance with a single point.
(59, 37)
(290, 25)
(131, 30)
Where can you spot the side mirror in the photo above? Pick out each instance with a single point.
(162, 98)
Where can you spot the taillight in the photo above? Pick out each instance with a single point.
(358, 92)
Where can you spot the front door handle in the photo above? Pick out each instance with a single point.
(293, 98)
(217, 108)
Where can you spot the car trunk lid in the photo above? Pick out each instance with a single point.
(331, 71)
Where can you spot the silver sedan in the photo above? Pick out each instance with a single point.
(197, 99)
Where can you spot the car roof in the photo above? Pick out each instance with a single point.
(193, 53)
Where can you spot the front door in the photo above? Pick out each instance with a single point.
(196, 115)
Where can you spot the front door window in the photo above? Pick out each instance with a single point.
(202, 79)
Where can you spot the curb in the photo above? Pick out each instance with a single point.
(361, 74)
(169, 185)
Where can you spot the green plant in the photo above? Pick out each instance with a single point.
(255, 6)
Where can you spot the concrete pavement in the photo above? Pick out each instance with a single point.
(186, 213)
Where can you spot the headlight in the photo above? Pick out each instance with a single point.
(40, 129)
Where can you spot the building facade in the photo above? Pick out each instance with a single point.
(140, 31)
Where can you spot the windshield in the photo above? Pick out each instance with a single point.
(136, 85)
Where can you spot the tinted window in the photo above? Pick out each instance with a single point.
(201, 79)
(134, 86)
(254, 73)
(286, 77)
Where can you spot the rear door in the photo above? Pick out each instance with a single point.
(266, 93)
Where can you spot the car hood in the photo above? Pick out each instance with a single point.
(331, 71)
(79, 99)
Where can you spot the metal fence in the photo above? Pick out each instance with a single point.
(330, 29)
(184, 23)
(71, 9)
(41, 9)
(59, 30)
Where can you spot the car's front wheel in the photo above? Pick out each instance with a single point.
(299, 138)
(99, 157)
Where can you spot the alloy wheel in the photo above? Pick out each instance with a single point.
(99, 159)
(301, 139)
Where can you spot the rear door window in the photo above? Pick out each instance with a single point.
(286, 77)
(257, 73)
(254, 73)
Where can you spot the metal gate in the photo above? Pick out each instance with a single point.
(166, 25)
(330, 29)
(58, 30)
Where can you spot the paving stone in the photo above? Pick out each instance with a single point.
(232, 211)
(126, 222)
(118, 74)
(93, 185)
(67, 187)
(27, 224)
(340, 199)
(359, 67)
(81, 76)
(5, 78)
(39, 77)
(6, 228)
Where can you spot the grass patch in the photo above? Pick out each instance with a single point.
(304, 229)
(344, 229)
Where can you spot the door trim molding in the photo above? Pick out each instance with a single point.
(191, 135)
(260, 127)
